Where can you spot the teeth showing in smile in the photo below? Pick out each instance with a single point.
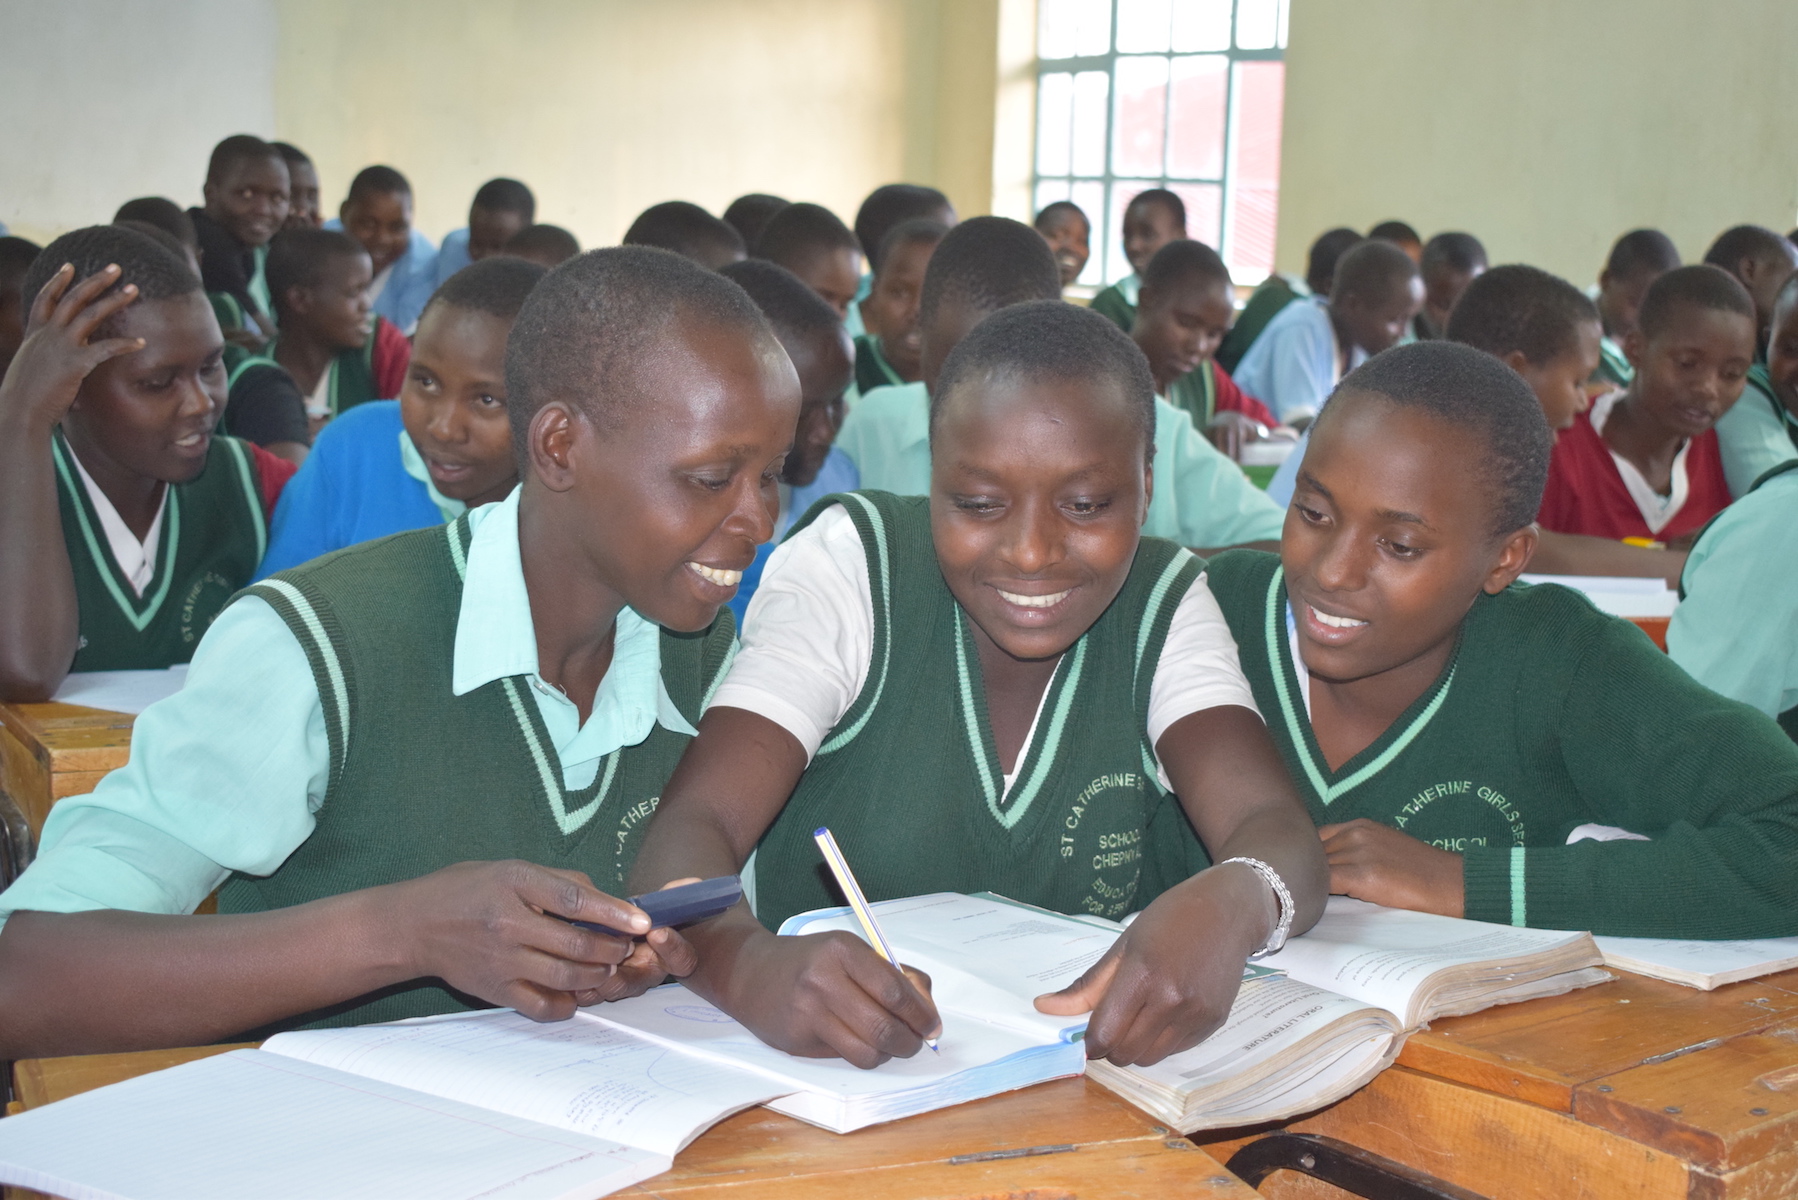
(1325, 618)
(192, 439)
(714, 575)
(1049, 601)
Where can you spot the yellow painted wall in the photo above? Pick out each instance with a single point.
(1545, 127)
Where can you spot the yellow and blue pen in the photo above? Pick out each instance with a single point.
(858, 903)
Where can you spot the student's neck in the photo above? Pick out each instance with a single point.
(1014, 689)
(305, 356)
(1348, 717)
(1643, 442)
(135, 497)
(575, 615)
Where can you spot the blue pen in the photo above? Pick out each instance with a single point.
(858, 903)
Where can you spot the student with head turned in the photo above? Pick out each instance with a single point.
(810, 241)
(549, 246)
(749, 214)
(502, 209)
(885, 208)
(814, 338)
(1152, 219)
(1643, 463)
(127, 522)
(906, 671)
(1280, 290)
(303, 210)
(517, 684)
(247, 197)
(164, 214)
(16, 255)
(687, 230)
(1401, 235)
(378, 214)
(887, 354)
(1064, 226)
(1476, 747)
(1762, 261)
(1638, 258)
(1749, 437)
(1450, 262)
(442, 448)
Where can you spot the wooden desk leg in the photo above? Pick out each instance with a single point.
(1340, 1165)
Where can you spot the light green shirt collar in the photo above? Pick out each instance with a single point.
(414, 462)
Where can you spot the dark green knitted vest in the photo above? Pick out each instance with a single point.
(352, 374)
(421, 778)
(213, 536)
(909, 780)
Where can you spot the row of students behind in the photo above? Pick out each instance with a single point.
(999, 683)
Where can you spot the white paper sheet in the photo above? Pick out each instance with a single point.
(121, 691)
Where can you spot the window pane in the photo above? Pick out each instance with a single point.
(1140, 131)
(1204, 209)
(1257, 24)
(1122, 192)
(1143, 26)
(1253, 203)
(1285, 19)
(1048, 191)
(1054, 122)
(1065, 28)
(1089, 194)
(1201, 25)
(1196, 117)
(1091, 90)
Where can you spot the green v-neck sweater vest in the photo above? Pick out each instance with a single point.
(213, 536)
(909, 780)
(420, 778)
(1552, 715)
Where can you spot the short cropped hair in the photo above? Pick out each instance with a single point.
(297, 258)
(239, 147)
(1169, 201)
(686, 229)
(889, 204)
(914, 232)
(292, 154)
(1640, 252)
(1460, 252)
(792, 308)
(1701, 285)
(544, 241)
(1372, 269)
(1472, 390)
(1326, 252)
(379, 181)
(163, 237)
(163, 213)
(1746, 241)
(1523, 310)
(1051, 340)
(1060, 208)
(508, 196)
(496, 285)
(989, 263)
(158, 272)
(749, 214)
(1184, 260)
(1788, 294)
(1394, 231)
(799, 231)
(591, 318)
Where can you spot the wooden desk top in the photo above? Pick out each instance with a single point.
(1117, 1151)
(48, 751)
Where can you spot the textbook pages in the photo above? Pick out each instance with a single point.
(1705, 965)
(1352, 988)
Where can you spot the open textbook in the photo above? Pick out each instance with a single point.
(1704, 965)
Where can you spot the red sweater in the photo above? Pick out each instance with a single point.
(1231, 398)
(272, 474)
(1586, 493)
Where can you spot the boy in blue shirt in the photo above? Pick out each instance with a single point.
(502, 209)
(440, 449)
(378, 213)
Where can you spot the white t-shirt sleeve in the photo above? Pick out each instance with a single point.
(1199, 667)
(808, 636)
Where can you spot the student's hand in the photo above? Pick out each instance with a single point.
(1377, 863)
(56, 355)
(1230, 431)
(484, 929)
(1168, 982)
(828, 995)
(662, 952)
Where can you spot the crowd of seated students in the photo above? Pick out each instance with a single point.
(513, 580)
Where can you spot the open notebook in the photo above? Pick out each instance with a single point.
(1705, 965)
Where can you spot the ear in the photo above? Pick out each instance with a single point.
(1635, 347)
(1147, 297)
(1516, 360)
(549, 445)
(299, 299)
(1514, 555)
(343, 213)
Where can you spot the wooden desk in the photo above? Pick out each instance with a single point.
(760, 1155)
(48, 751)
(1654, 627)
(1633, 1088)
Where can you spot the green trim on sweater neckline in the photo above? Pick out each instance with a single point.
(137, 610)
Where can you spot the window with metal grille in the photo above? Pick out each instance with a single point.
(1180, 94)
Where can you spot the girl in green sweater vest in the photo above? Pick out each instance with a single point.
(1001, 686)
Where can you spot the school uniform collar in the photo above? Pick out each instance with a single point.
(414, 463)
(496, 639)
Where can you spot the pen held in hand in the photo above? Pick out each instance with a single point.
(858, 903)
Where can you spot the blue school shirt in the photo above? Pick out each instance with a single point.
(364, 479)
(838, 474)
(1292, 366)
(409, 286)
(452, 256)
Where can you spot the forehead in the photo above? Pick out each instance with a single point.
(385, 205)
(1063, 219)
(302, 173)
(173, 327)
(459, 330)
(1374, 456)
(270, 171)
(910, 257)
(1194, 290)
(1087, 411)
(1719, 329)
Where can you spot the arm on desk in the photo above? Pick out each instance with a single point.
(1580, 554)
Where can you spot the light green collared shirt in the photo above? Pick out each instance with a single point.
(887, 436)
(414, 463)
(228, 773)
(1751, 440)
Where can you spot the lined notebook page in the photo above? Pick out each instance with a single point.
(251, 1123)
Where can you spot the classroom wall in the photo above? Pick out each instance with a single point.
(1546, 129)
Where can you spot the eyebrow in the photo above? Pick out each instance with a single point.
(1307, 479)
(1093, 468)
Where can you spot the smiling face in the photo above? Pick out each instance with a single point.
(1069, 236)
(1782, 355)
(835, 275)
(1560, 383)
(826, 365)
(1148, 226)
(668, 503)
(1182, 328)
(1691, 372)
(1038, 492)
(302, 197)
(453, 403)
(891, 309)
(251, 198)
(382, 222)
(336, 309)
(490, 229)
(151, 413)
(1386, 546)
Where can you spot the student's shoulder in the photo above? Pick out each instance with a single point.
(374, 424)
(1547, 631)
(1241, 580)
(1760, 523)
(892, 401)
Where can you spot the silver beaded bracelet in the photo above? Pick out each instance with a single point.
(1282, 927)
